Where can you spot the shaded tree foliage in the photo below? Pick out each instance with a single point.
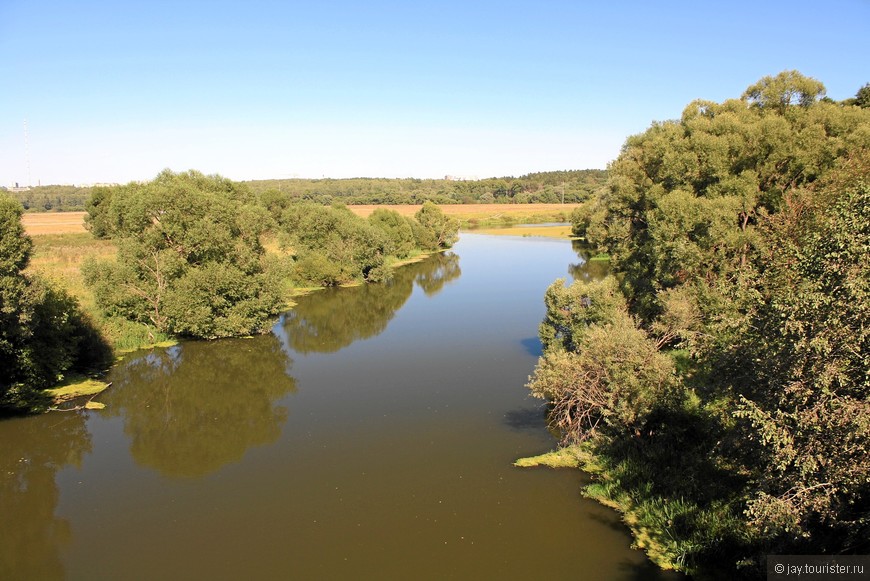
(43, 334)
(805, 390)
(334, 246)
(739, 237)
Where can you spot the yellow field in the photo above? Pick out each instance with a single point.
(54, 223)
(545, 231)
(467, 211)
(73, 222)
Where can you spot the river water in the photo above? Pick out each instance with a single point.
(371, 435)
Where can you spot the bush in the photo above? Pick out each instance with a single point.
(614, 378)
(397, 230)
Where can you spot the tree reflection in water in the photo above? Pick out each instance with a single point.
(33, 450)
(195, 407)
(587, 270)
(331, 319)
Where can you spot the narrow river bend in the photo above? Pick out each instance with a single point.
(370, 436)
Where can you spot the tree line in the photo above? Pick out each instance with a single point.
(545, 187)
(570, 186)
(53, 198)
(718, 385)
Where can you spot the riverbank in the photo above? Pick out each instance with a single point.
(58, 257)
(651, 534)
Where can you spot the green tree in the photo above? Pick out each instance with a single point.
(785, 89)
(437, 230)
(333, 245)
(805, 388)
(686, 196)
(862, 97)
(598, 367)
(739, 234)
(397, 229)
(190, 259)
(98, 218)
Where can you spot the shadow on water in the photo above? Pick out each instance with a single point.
(644, 570)
(192, 408)
(526, 418)
(31, 535)
(648, 571)
(332, 319)
(533, 346)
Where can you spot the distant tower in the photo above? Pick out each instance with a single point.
(27, 154)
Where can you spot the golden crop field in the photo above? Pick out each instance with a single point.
(73, 222)
(54, 223)
(469, 211)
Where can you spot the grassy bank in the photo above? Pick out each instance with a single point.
(682, 522)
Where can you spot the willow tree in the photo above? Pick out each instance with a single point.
(189, 260)
(686, 197)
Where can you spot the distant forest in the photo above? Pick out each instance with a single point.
(543, 187)
(53, 198)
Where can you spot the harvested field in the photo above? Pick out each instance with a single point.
(473, 210)
(73, 222)
(54, 223)
(544, 231)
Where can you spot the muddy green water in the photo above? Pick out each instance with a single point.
(370, 436)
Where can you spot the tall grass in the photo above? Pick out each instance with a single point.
(58, 258)
(683, 509)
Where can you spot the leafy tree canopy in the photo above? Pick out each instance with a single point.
(189, 256)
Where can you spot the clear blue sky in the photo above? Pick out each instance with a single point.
(117, 91)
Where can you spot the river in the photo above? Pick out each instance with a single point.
(371, 435)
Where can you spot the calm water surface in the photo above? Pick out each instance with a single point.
(370, 436)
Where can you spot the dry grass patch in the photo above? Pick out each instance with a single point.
(36, 223)
(59, 257)
(475, 211)
(561, 232)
